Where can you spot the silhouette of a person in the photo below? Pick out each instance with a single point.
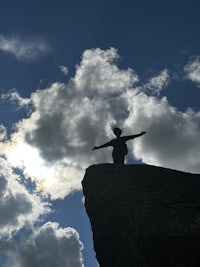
(119, 145)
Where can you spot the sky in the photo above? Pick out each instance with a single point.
(70, 71)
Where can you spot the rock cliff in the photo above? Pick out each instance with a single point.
(143, 216)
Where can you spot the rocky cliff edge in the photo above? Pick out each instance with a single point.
(143, 216)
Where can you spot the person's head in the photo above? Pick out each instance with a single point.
(117, 132)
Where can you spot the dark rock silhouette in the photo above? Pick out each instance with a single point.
(119, 145)
(143, 216)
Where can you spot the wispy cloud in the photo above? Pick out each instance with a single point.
(24, 48)
(14, 96)
(157, 83)
(192, 70)
(64, 70)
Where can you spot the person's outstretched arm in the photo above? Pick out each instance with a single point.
(104, 145)
(135, 135)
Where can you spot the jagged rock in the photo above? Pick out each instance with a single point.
(143, 216)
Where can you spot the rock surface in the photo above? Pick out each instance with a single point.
(143, 216)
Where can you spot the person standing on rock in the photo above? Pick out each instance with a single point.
(119, 145)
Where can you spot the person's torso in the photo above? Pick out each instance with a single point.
(119, 146)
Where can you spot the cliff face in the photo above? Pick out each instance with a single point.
(143, 216)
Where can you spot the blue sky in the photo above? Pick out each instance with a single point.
(70, 71)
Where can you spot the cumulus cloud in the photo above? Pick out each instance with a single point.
(49, 246)
(172, 136)
(69, 119)
(24, 49)
(18, 208)
(192, 70)
(97, 73)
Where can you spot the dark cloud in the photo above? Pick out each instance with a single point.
(48, 246)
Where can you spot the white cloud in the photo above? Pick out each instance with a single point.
(18, 208)
(192, 70)
(24, 49)
(157, 83)
(69, 119)
(98, 73)
(64, 70)
(172, 138)
(48, 246)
